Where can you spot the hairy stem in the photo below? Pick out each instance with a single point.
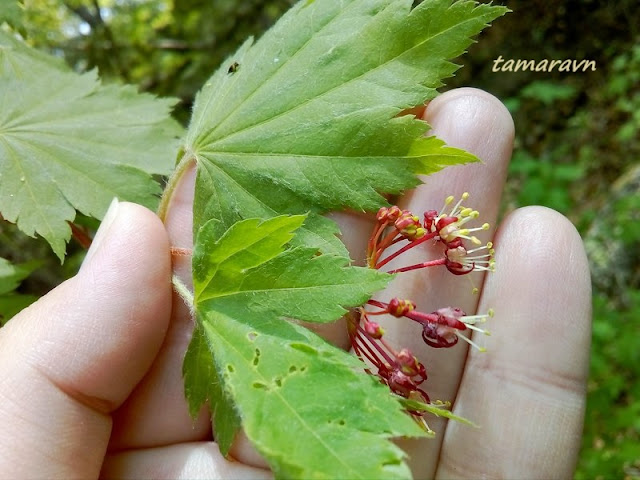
(174, 179)
(184, 292)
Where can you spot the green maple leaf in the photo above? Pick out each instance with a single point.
(67, 143)
(306, 120)
(307, 406)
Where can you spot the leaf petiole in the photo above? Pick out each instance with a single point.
(183, 165)
(184, 292)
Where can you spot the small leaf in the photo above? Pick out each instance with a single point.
(10, 277)
(307, 406)
(439, 410)
(67, 143)
(247, 268)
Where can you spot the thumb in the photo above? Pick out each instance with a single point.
(74, 356)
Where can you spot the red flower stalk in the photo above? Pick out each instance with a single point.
(440, 328)
(400, 370)
(446, 228)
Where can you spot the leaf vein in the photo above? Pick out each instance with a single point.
(294, 413)
(336, 87)
(209, 133)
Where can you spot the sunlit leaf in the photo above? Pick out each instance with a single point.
(68, 143)
(307, 406)
(307, 120)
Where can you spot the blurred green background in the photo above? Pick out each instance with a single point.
(577, 146)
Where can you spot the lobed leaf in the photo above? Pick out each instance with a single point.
(246, 268)
(67, 143)
(307, 406)
(307, 120)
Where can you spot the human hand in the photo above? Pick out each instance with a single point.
(72, 367)
(94, 354)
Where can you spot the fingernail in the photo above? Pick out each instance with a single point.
(103, 231)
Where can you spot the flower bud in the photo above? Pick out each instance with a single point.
(388, 214)
(373, 329)
(409, 226)
(410, 365)
(399, 307)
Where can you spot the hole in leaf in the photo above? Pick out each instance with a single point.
(340, 422)
(230, 368)
(293, 369)
(260, 386)
(303, 368)
(252, 336)
(303, 347)
(256, 357)
(278, 381)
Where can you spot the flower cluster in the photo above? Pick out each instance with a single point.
(447, 229)
(462, 253)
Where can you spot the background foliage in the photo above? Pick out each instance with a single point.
(577, 145)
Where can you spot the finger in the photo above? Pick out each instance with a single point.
(71, 358)
(201, 460)
(528, 391)
(477, 122)
(157, 413)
